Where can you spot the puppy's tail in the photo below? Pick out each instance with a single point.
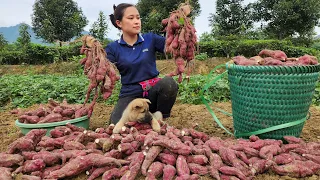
(158, 115)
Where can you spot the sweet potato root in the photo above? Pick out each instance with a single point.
(182, 166)
(5, 173)
(8, 160)
(169, 172)
(155, 170)
(151, 155)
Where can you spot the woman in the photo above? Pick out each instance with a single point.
(134, 56)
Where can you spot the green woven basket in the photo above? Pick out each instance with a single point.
(270, 101)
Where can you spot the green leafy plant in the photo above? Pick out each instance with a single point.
(201, 56)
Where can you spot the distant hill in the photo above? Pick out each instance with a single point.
(12, 33)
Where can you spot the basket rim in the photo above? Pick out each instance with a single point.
(274, 69)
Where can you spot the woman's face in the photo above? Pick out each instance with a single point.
(130, 23)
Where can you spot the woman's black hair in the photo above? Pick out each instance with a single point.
(118, 13)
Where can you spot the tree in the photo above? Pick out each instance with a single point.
(3, 41)
(286, 18)
(57, 20)
(99, 28)
(206, 37)
(231, 18)
(25, 38)
(152, 12)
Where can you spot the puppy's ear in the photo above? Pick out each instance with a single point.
(137, 106)
(147, 100)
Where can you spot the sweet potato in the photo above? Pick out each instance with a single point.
(5, 173)
(214, 144)
(8, 160)
(73, 145)
(115, 173)
(307, 60)
(109, 129)
(267, 152)
(197, 159)
(31, 166)
(48, 170)
(82, 163)
(297, 168)
(129, 148)
(155, 170)
(50, 158)
(311, 157)
(214, 159)
(271, 61)
(128, 139)
(132, 173)
(276, 54)
(114, 153)
(47, 142)
(174, 146)
(198, 169)
(283, 158)
(75, 128)
(169, 172)
(94, 135)
(81, 112)
(243, 61)
(149, 138)
(67, 112)
(195, 177)
(186, 138)
(229, 157)
(105, 143)
(54, 117)
(213, 172)
(21, 144)
(260, 165)
(182, 166)
(232, 171)
(151, 155)
(250, 152)
(60, 131)
(167, 158)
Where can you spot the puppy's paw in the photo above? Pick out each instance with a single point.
(158, 115)
(155, 125)
(117, 128)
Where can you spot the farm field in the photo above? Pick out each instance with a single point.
(183, 115)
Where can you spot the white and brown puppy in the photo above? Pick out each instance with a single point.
(138, 111)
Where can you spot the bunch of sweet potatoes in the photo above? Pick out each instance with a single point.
(170, 154)
(180, 39)
(267, 57)
(99, 70)
(51, 112)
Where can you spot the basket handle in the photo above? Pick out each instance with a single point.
(261, 131)
(205, 88)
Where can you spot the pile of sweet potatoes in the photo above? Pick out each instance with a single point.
(51, 112)
(170, 154)
(180, 39)
(99, 70)
(267, 57)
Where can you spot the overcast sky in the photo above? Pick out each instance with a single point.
(13, 12)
